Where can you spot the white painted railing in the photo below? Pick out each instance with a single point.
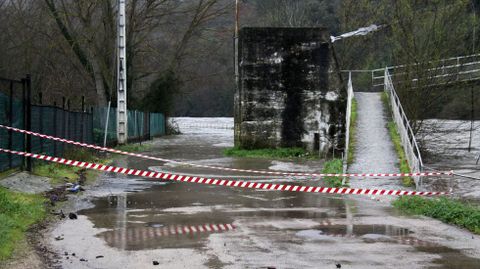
(463, 68)
(409, 143)
(347, 121)
(204, 126)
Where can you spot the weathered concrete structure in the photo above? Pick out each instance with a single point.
(290, 92)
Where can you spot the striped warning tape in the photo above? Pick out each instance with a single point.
(222, 182)
(140, 234)
(224, 168)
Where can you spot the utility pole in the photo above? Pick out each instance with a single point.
(122, 125)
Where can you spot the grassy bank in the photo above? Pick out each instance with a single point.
(17, 213)
(397, 143)
(279, 153)
(63, 173)
(59, 173)
(352, 139)
(447, 210)
(134, 147)
(334, 166)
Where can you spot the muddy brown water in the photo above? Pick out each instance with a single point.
(133, 221)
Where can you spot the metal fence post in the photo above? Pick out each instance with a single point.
(83, 120)
(55, 118)
(40, 120)
(91, 126)
(28, 118)
(10, 123)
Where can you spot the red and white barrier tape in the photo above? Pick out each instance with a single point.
(425, 174)
(221, 182)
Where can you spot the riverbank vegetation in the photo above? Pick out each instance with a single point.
(278, 153)
(397, 143)
(450, 211)
(352, 139)
(60, 173)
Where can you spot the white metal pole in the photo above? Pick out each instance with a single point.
(106, 125)
(122, 130)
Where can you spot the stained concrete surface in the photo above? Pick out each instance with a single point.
(26, 182)
(121, 218)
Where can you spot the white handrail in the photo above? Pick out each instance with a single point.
(347, 121)
(409, 142)
(457, 70)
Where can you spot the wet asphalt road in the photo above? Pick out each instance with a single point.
(130, 222)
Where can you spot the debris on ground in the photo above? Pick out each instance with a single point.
(72, 216)
(99, 257)
(58, 238)
(56, 194)
(156, 263)
(73, 188)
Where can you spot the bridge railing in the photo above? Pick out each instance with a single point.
(463, 68)
(409, 142)
(347, 121)
(225, 126)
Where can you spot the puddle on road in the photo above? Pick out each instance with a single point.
(152, 217)
(163, 217)
(450, 258)
(169, 216)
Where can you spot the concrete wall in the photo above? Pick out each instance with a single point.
(289, 91)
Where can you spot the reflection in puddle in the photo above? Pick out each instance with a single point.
(367, 233)
(131, 237)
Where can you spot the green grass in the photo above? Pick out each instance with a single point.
(397, 143)
(60, 173)
(447, 210)
(280, 153)
(134, 147)
(352, 139)
(334, 166)
(17, 213)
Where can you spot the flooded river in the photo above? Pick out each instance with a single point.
(130, 222)
(445, 146)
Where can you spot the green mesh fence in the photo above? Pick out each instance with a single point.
(11, 114)
(57, 122)
(141, 125)
(157, 124)
(99, 121)
(77, 126)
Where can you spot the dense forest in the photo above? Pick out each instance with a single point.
(180, 53)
